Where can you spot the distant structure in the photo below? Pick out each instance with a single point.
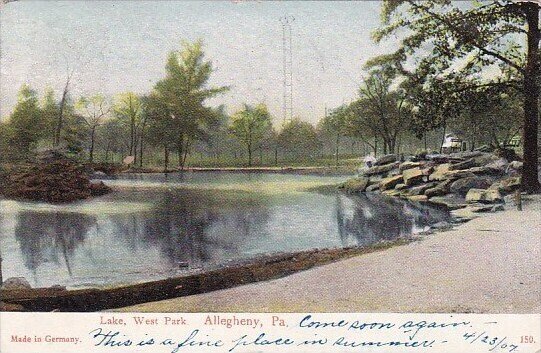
(287, 108)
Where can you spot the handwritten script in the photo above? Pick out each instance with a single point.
(313, 330)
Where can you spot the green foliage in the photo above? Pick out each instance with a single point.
(251, 126)
(184, 92)
(299, 138)
(336, 123)
(381, 110)
(49, 113)
(26, 126)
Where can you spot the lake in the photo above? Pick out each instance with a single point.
(155, 226)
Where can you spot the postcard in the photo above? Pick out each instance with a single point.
(262, 176)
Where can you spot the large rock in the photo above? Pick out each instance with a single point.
(16, 283)
(372, 188)
(391, 192)
(421, 189)
(498, 164)
(355, 185)
(467, 164)
(484, 196)
(442, 158)
(487, 170)
(417, 198)
(507, 186)
(389, 158)
(458, 174)
(439, 172)
(391, 182)
(409, 165)
(400, 187)
(413, 176)
(380, 169)
(439, 189)
(514, 168)
(466, 155)
(450, 201)
(461, 186)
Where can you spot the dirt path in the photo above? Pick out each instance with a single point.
(490, 264)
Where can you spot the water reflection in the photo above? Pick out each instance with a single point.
(194, 228)
(51, 237)
(72, 246)
(370, 218)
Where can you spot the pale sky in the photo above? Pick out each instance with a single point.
(116, 46)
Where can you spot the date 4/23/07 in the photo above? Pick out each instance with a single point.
(496, 343)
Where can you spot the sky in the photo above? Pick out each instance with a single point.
(118, 46)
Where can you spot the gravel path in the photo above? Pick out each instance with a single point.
(488, 265)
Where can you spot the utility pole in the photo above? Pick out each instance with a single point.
(287, 107)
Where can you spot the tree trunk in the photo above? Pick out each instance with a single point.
(337, 149)
(185, 155)
(107, 152)
(135, 155)
(530, 176)
(141, 147)
(165, 158)
(276, 155)
(60, 120)
(443, 137)
(180, 149)
(132, 128)
(92, 137)
(249, 156)
(375, 146)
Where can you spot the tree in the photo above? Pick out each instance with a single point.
(185, 91)
(489, 115)
(298, 138)
(109, 133)
(161, 125)
(250, 126)
(362, 124)
(336, 125)
(128, 108)
(59, 126)
(470, 39)
(25, 124)
(49, 113)
(384, 108)
(93, 110)
(434, 103)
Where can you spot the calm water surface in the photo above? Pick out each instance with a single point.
(153, 226)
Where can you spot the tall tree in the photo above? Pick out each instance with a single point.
(128, 108)
(49, 113)
(336, 125)
(250, 126)
(185, 91)
(446, 37)
(299, 139)
(26, 126)
(161, 131)
(381, 107)
(93, 110)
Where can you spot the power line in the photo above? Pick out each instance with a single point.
(287, 107)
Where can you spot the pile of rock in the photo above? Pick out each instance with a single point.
(452, 180)
(52, 178)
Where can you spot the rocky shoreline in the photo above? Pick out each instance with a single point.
(467, 181)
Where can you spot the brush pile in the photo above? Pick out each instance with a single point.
(51, 178)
